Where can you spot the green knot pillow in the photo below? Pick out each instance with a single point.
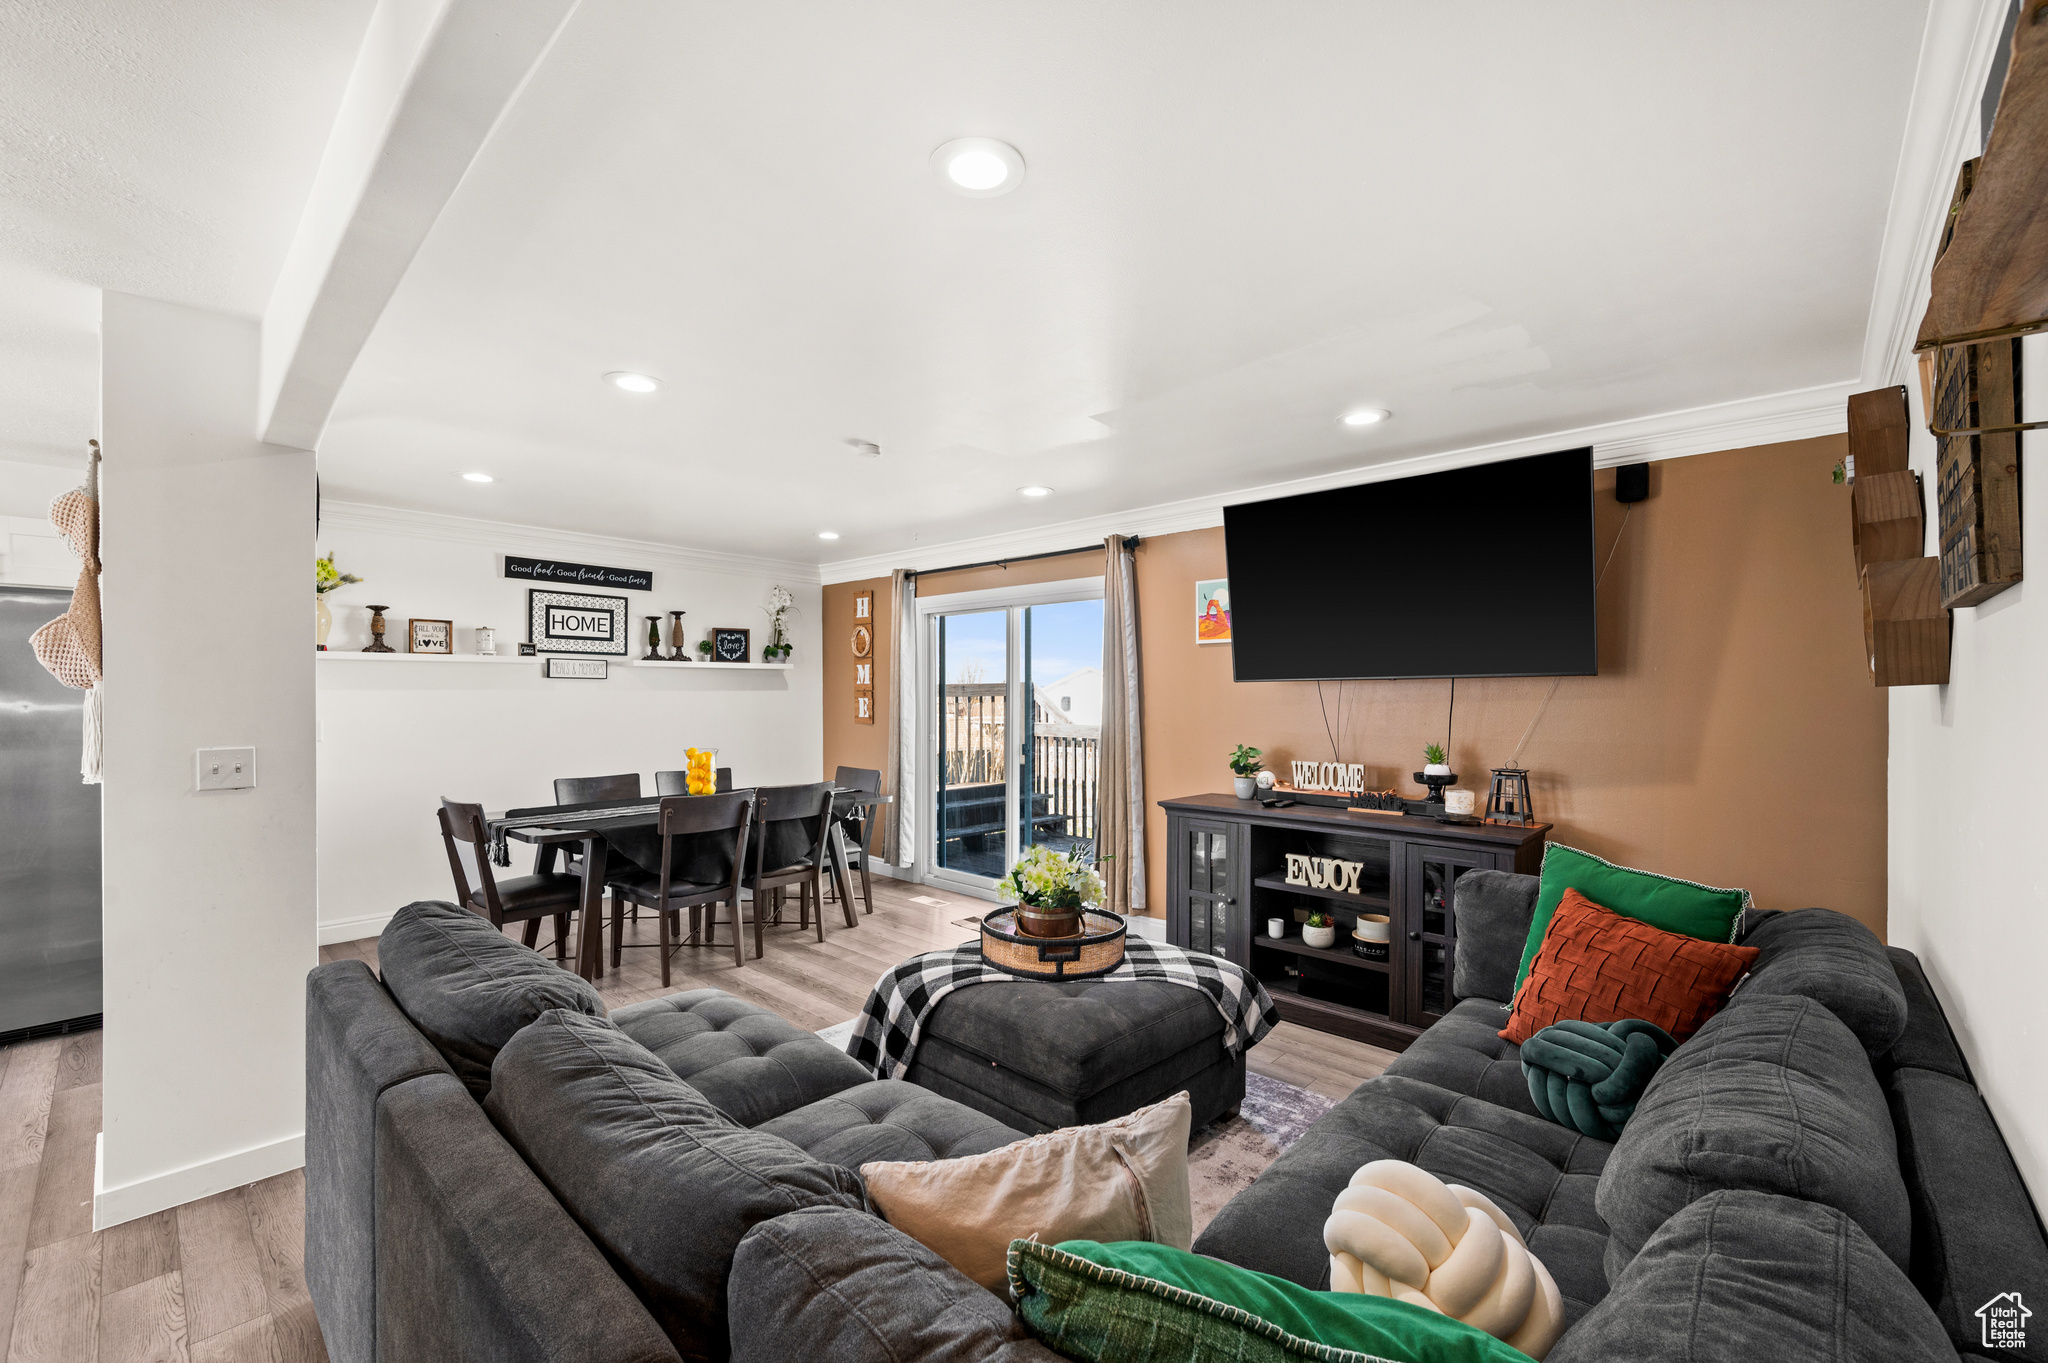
(1590, 1075)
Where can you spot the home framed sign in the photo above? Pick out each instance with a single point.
(576, 622)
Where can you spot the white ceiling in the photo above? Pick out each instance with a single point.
(159, 147)
(1496, 219)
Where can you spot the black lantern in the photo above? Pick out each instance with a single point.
(1508, 801)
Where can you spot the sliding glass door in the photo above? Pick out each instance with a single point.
(1011, 685)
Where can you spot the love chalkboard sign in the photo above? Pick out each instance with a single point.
(730, 645)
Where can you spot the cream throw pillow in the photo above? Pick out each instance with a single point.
(1121, 1180)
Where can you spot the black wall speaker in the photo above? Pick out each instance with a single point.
(1631, 482)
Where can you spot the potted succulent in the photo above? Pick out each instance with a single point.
(1244, 768)
(1319, 931)
(1052, 890)
(704, 648)
(1436, 762)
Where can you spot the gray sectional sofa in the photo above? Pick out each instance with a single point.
(495, 1170)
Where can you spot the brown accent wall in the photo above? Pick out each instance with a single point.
(1732, 736)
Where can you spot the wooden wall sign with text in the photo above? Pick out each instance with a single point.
(578, 574)
(863, 658)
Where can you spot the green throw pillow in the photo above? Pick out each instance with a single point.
(1661, 901)
(1137, 1302)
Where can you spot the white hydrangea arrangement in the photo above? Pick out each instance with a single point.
(1046, 879)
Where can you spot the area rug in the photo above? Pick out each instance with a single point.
(1224, 1157)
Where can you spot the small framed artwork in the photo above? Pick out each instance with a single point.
(863, 705)
(527, 650)
(576, 622)
(575, 669)
(1212, 611)
(731, 645)
(429, 636)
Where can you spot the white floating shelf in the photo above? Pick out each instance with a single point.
(717, 667)
(352, 656)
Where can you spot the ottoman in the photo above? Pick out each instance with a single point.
(1042, 1055)
(767, 1073)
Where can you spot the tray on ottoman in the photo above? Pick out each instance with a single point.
(1039, 1055)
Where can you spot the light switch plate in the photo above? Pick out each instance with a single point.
(227, 768)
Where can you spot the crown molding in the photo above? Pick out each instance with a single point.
(510, 537)
(1800, 414)
(1942, 132)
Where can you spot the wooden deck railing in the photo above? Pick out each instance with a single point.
(1065, 758)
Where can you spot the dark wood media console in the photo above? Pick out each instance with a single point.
(1226, 874)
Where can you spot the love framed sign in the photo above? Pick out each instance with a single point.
(575, 622)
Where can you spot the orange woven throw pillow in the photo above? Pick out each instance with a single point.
(1597, 966)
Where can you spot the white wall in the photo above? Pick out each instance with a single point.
(32, 553)
(394, 738)
(1967, 869)
(208, 897)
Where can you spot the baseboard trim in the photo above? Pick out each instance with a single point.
(353, 929)
(161, 1192)
(1151, 929)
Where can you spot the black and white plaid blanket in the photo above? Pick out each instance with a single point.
(893, 1018)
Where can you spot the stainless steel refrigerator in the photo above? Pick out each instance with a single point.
(49, 835)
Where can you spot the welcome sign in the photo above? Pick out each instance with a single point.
(579, 574)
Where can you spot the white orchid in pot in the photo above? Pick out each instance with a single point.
(1052, 890)
(780, 604)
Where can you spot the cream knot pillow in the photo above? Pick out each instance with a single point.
(1399, 1231)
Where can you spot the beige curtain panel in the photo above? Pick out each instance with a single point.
(1122, 842)
(903, 715)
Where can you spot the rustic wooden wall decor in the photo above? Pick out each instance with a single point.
(1324, 873)
(1977, 477)
(863, 654)
(1991, 278)
(1886, 519)
(1905, 627)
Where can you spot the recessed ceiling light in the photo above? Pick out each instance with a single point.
(477, 478)
(828, 534)
(633, 383)
(1035, 491)
(978, 167)
(1366, 416)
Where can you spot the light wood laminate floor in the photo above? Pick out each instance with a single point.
(222, 1280)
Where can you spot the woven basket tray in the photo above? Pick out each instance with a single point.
(1097, 951)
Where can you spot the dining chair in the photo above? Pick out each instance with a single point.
(584, 790)
(678, 782)
(859, 824)
(517, 899)
(811, 807)
(684, 816)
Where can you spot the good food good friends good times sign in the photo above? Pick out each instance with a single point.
(579, 574)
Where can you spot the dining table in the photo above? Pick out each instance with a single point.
(609, 833)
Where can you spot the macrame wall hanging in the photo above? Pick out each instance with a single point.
(69, 646)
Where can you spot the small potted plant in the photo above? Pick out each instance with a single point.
(1319, 931)
(704, 647)
(1053, 891)
(1244, 768)
(1436, 762)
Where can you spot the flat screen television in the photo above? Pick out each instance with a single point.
(1484, 571)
